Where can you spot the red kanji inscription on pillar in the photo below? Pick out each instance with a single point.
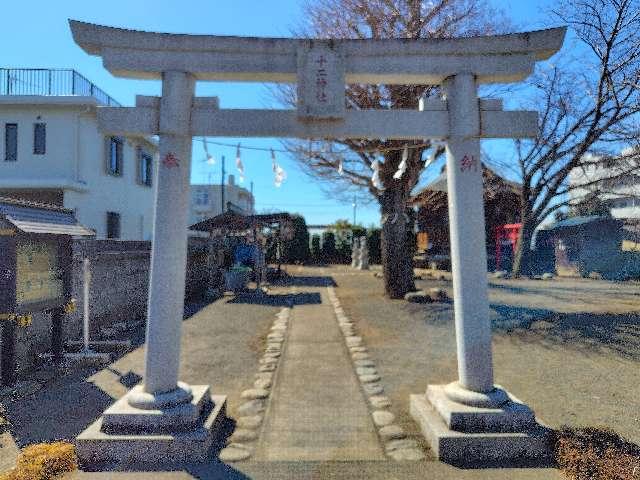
(170, 160)
(469, 162)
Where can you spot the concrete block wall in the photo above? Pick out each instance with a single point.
(118, 293)
(119, 284)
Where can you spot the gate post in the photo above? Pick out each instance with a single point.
(473, 420)
(468, 244)
(163, 419)
(169, 249)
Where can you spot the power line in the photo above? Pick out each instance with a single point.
(317, 152)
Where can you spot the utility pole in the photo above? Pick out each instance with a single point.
(222, 185)
(253, 200)
(355, 207)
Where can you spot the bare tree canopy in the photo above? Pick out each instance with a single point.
(348, 165)
(588, 104)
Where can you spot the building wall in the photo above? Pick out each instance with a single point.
(74, 163)
(621, 194)
(57, 164)
(206, 200)
(107, 193)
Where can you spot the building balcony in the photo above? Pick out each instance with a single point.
(51, 83)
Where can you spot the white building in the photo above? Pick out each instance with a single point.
(616, 182)
(206, 200)
(52, 151)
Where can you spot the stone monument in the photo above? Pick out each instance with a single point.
(363, 257)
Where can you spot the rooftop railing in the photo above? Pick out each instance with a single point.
(50, 82)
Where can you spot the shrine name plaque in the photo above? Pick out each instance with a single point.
(321, 82)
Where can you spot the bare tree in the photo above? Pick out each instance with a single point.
(346, 165)
(589, 107)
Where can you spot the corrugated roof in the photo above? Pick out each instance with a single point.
(44, 219)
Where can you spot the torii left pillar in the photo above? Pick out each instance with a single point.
(163, 419)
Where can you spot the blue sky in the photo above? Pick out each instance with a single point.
(36, 34)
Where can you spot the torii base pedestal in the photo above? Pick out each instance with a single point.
(179, 433)
(508, 435)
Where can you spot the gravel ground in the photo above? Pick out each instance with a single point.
(569, 348)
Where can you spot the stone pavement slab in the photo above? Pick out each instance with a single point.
(317, 412)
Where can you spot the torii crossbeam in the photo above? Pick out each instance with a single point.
(470, 419)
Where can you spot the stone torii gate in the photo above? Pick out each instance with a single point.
(167, 419)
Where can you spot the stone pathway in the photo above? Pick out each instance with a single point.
(317, 412)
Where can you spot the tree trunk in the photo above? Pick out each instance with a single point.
(396, 244)
(523, 257)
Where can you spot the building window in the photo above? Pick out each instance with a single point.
(114, 155)
(145, 165)
(39, 138)
(202, 197)
(10, 142)
(113, 225)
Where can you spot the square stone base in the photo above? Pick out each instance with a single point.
(513, 416)
(121, 417)
(530, 444)
(119, 442)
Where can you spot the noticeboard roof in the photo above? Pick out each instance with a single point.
(41, 218)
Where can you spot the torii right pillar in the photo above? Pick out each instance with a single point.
(471, 420)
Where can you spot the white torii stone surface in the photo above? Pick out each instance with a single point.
(494, 58)
(322, 67)
(169, 251)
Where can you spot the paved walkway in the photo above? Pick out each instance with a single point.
(317, 411)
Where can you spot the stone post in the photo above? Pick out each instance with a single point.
(364, 254)
(169, 251)
(355, 251)
(468, 245)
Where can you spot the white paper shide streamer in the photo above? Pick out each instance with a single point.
(210, 160)
(375, 178)
(279, 175)
(239, 164)
(340, 167)
(403, 164)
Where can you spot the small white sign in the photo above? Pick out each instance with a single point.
(321, 84)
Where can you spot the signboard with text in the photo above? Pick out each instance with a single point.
(321, 84)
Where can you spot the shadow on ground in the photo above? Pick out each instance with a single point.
(584, 331)
(277, 300)
(63, 409)
(305, 281)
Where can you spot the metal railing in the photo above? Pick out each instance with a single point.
(50, 82)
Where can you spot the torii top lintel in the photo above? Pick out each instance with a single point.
(496, 58)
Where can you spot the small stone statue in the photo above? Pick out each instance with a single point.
(363, 260)
(355, 252)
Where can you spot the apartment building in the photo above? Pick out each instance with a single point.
(52, 151)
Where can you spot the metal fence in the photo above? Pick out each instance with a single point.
(42, 81)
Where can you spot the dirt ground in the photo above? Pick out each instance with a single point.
(220, 348)
(569, 348)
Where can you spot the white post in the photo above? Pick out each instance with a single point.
(86, 278)
(468, 246)
(169, 251)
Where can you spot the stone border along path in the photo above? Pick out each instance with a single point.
(392, 436)
(252, 411)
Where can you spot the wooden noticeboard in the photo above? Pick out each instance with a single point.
(39, 279)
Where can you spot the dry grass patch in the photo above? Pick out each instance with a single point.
(596, 454)
(44, 461)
